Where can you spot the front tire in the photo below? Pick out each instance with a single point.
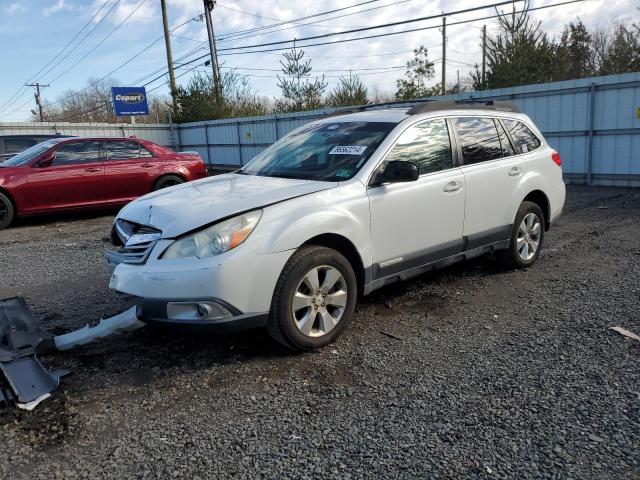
(314, 299)
(167, 181)
(7, 212)
(527, 236)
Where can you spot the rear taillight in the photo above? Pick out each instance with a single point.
(555, 156)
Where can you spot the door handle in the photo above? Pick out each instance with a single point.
(515, 171)
(452, 187)
(92, 169)
(147, 165)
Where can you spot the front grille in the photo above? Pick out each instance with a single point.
(125, 229)
(137, 243)
(138, 253)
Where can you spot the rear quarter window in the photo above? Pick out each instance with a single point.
(525, 140)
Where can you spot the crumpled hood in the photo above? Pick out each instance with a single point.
(180, 209)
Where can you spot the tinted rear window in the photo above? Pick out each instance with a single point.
(122, 150)
(522, 136)
(478, 138)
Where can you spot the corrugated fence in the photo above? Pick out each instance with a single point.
(158, 133)
(594, 123)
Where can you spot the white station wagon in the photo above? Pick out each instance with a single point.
(336, 209)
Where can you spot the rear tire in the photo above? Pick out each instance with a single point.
(167, 181)
(314, 299)
(7, 211)
(527, 237)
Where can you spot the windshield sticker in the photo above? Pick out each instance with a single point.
(348, 150)
(344, 173)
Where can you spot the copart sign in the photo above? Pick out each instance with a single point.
(129, 101)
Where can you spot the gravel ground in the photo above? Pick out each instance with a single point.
(469, 372)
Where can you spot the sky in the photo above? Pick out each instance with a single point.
(34, 32)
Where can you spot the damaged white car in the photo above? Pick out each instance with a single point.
(335, 210)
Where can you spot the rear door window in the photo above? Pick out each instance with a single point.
(123, 150)
(522, 136)
(427, 145)
(478, 138)
(77, 152)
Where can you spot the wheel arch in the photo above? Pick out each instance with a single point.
(345, 247)
(6, 192)
(168, 174)
(540, 198)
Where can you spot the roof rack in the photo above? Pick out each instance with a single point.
(428, 105)
(470, 104)
(373, 106)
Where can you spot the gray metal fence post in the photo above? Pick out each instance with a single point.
(592, 101)
(277, 132)
(206, 140)
(239, 144)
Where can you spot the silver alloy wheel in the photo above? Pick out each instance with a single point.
(529, 236)
(319, 301)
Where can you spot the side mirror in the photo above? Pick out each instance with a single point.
(45, 161)
(397, 171)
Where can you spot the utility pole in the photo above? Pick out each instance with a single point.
(37, 95)
(167, 43)
(444, 55)
(484, 54)
(208, 7)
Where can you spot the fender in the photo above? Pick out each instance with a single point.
(343, 211)
(530, 181)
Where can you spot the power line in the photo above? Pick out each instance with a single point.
(380, 35)
(318, 70)
(91, 85)
(33, 77)
(387, 33)
(101, 41)
(111, 9)
(286, 22)
(248, 13)
(373, 27)
(314, 23)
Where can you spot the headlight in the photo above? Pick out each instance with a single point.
(216, 239)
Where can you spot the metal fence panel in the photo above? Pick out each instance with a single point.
(158, 133)
(598, 141)
(593, 122)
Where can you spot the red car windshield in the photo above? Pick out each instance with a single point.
(29, 154)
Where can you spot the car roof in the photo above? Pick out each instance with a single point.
(102, 139)
(398, 114)
(394, 115)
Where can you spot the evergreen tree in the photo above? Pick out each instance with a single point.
(349, 91)
(573, 53)
(299, 92)
(520, 54)
(621, 51)
(200, 100)
(419, 71)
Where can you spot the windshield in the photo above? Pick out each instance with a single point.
(321, 151)
(29, 154)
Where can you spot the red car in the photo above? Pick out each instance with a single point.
(79, 173)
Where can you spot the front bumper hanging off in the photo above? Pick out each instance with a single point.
(24, 381)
